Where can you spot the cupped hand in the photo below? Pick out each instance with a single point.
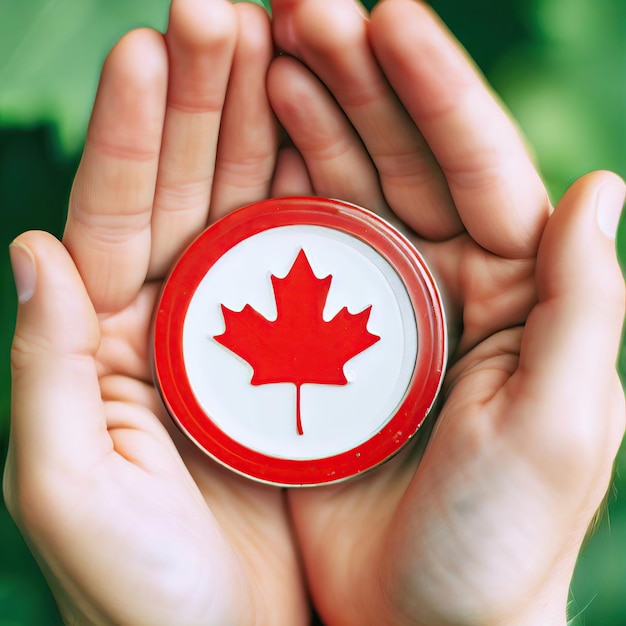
(130, 523)
(480, 523)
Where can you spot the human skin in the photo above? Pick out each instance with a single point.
(483, 525)
(480, 524)
(130, 523)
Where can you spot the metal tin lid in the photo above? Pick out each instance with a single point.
(300, 341)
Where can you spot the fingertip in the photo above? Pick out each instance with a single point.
(603, 192)
(610, 204)
(139, 59)
(57, 314)
(388, 16)
(577, 256)
(36, 245)
(255, 37)
(318, 26)
(24, 271)
(197, 24)
(330, 24)
(294, 93)
(307, 110)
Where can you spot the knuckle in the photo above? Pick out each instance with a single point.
(248, 173)
(183, 201)
(114, 227)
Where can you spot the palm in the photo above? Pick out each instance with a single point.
(396, 516)
(191, 522)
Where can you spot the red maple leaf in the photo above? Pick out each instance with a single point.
(299, 346)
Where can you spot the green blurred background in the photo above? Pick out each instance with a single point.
(559, 65)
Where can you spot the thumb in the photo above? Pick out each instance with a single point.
(57, 416)
(567, 367)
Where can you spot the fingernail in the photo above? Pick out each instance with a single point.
(24, 271)
(610, 203)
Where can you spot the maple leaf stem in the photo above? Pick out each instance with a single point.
(298, 414)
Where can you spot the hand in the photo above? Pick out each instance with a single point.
(482, 524)
(130, 523)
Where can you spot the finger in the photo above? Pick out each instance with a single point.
(200, 40)
(108, 224)
(336, 161)
(570, 343)
(291, 177)
(497, 191)
(331, 38)
(57, 413)
(248, 136)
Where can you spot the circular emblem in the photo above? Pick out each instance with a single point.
(300, 341)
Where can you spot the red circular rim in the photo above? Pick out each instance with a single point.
(168, 361)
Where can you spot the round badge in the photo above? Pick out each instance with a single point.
(300, 341)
